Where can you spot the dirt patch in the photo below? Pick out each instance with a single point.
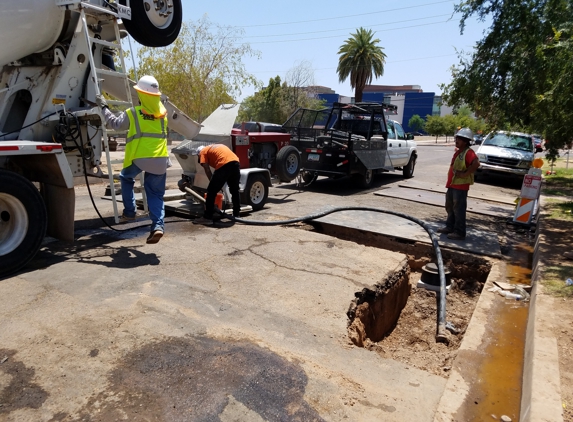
(19, 391)
(413, 338)
(558, 239)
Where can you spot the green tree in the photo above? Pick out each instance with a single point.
(519, 74)
(276, 102)
(451, 125)
(416, 123)
(360, 59)
(435, 126)
(202, 69)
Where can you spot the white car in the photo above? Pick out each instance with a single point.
(506, 153)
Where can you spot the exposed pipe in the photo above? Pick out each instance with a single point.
(442, 334)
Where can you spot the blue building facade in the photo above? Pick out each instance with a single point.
(420, 103)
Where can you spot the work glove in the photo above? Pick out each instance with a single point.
(101, 102)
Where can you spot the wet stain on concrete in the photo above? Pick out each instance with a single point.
(383, 407)
(199, 378)
(21, 392)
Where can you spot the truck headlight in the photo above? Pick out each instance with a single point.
(525, 164)
(482, 157)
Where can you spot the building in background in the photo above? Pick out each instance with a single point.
(409, 100)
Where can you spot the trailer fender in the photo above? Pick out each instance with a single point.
(254, 187)
(246, 173)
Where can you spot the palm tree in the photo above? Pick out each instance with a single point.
(360, 58)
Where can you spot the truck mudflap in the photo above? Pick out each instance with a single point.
(43, 162)
(374, 159)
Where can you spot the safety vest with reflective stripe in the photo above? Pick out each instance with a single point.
(460, 165)
(146, 138)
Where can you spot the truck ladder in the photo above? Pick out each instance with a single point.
(98, 74)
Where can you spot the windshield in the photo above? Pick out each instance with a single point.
(507, 140)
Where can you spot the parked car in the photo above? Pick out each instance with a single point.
(478, 139)
(505, 154)
(538, 143)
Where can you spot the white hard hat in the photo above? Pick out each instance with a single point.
(466, 133)
(148, 85)
(200, 148)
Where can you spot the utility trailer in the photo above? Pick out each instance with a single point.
(347, 140)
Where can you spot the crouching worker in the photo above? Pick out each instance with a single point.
(145, 151)
(227, 170)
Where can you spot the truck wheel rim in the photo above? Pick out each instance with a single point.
(257, 192)
(159, 12)
(291, 164)
(13, 223)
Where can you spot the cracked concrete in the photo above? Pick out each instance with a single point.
(282, 293)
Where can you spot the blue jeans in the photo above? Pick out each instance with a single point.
(154, 185)
(456, 205)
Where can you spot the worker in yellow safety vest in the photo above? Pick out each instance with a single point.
(460, 176)
(145, 151)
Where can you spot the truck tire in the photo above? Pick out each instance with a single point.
(23, 222)
(256, 192)
(408, 170)
(288, 163)
(148, 27)
(364, 180)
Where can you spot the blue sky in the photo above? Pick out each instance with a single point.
(420, 37)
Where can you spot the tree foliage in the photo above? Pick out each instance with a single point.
(449, 124)
(520, 73)
(277, 101)
(416, 123)
(360, 59)
(435, 126)
(202, 69)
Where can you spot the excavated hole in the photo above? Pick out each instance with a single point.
(397, 319)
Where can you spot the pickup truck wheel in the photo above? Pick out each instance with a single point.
(408, 170)
(154, 23)
(365, 180)
(23, 222)
(288, 163)
(256, 192)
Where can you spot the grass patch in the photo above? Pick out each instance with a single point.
(554, 280)
(559, 185)
(559, 210)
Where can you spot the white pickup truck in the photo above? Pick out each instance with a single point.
(350, 140)
(403, 151)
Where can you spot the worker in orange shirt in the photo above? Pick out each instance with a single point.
(227, 170)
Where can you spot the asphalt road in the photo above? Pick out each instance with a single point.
(213, 323)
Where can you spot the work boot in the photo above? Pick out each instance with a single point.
(154, 236)
(126, 218)
(203, 220)
(446, 230)
(456, 236)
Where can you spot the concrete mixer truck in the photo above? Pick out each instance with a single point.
(55, 57)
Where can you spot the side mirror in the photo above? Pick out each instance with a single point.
(409, 136)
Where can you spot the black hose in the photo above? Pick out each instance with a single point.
(441, 331)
